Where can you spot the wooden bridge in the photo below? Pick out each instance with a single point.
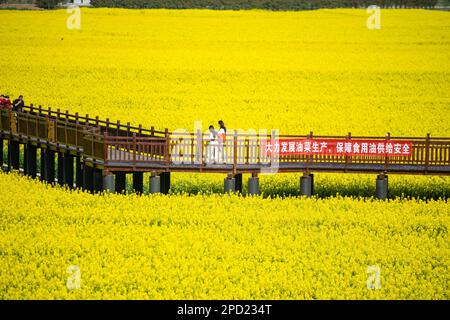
(96, 154)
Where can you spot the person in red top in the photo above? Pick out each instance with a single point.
(2, 102)
(8, 104)
(5, 103)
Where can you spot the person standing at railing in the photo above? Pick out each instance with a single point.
(213, 146)
(18, 104)
(222, 136)
(5, 103)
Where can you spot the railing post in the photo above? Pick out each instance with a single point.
(349, 137)
(199, 142)
(427, 152)
(235, 148)
(134, 149)
(105, 148)
(77, 123)
(107, 124)
(272, 140)
(308, 162)
(167, 151)
(386, 158)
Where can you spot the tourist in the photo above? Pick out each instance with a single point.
(213, 151)
(18, 104)
(222, 135)
(5, 103)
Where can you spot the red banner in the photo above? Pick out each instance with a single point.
(381, 148)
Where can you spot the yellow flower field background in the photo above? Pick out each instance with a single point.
(320, 71)
(193, 247)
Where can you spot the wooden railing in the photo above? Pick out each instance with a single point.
(115, 144)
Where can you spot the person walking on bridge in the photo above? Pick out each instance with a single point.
(213, 150)
(222, 136)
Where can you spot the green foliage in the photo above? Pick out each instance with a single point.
(260, 4)
(47, 4)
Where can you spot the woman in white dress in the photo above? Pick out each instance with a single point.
(213, 146)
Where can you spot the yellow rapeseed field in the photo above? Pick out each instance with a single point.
(320, 71)
(181, 247)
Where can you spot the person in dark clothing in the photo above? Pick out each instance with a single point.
(18, 104)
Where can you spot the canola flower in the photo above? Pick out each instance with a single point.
(320, 71)
(217, 246)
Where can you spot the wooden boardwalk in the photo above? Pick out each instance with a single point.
(107, 147)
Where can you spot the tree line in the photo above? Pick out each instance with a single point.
(248, 4)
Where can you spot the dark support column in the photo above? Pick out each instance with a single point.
(306, 185)
(61, 168)
(13, 155)
(229, 184)
(121, 182)
(49, 166)
(138, 182)
(79, 173)
(42, 166)
(165, 182)
(238, 182)
(108, 182)
(25, 159)
(98, 180)
(68, 170)
(155, 183)
(30, 162)
(88, 178)
(253, 185)
(382, 187)
(1, 153)
(312, 183)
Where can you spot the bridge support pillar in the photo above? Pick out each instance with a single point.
(30, 160)
(61, 168)
(109, 183)
(1, 153)
(98, 180)
(238, 182)
(67, 163)
(25, 157)
(306, 185)
(253, 185)
(138, 182)
(121, 182)
(165, 182)
(229, 184)
(13, 155)
(155, 184)
(42, 165)
(78, 173)
(382, 187)
(49, 166)
(88, 178)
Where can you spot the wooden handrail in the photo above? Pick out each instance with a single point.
(112, 141)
